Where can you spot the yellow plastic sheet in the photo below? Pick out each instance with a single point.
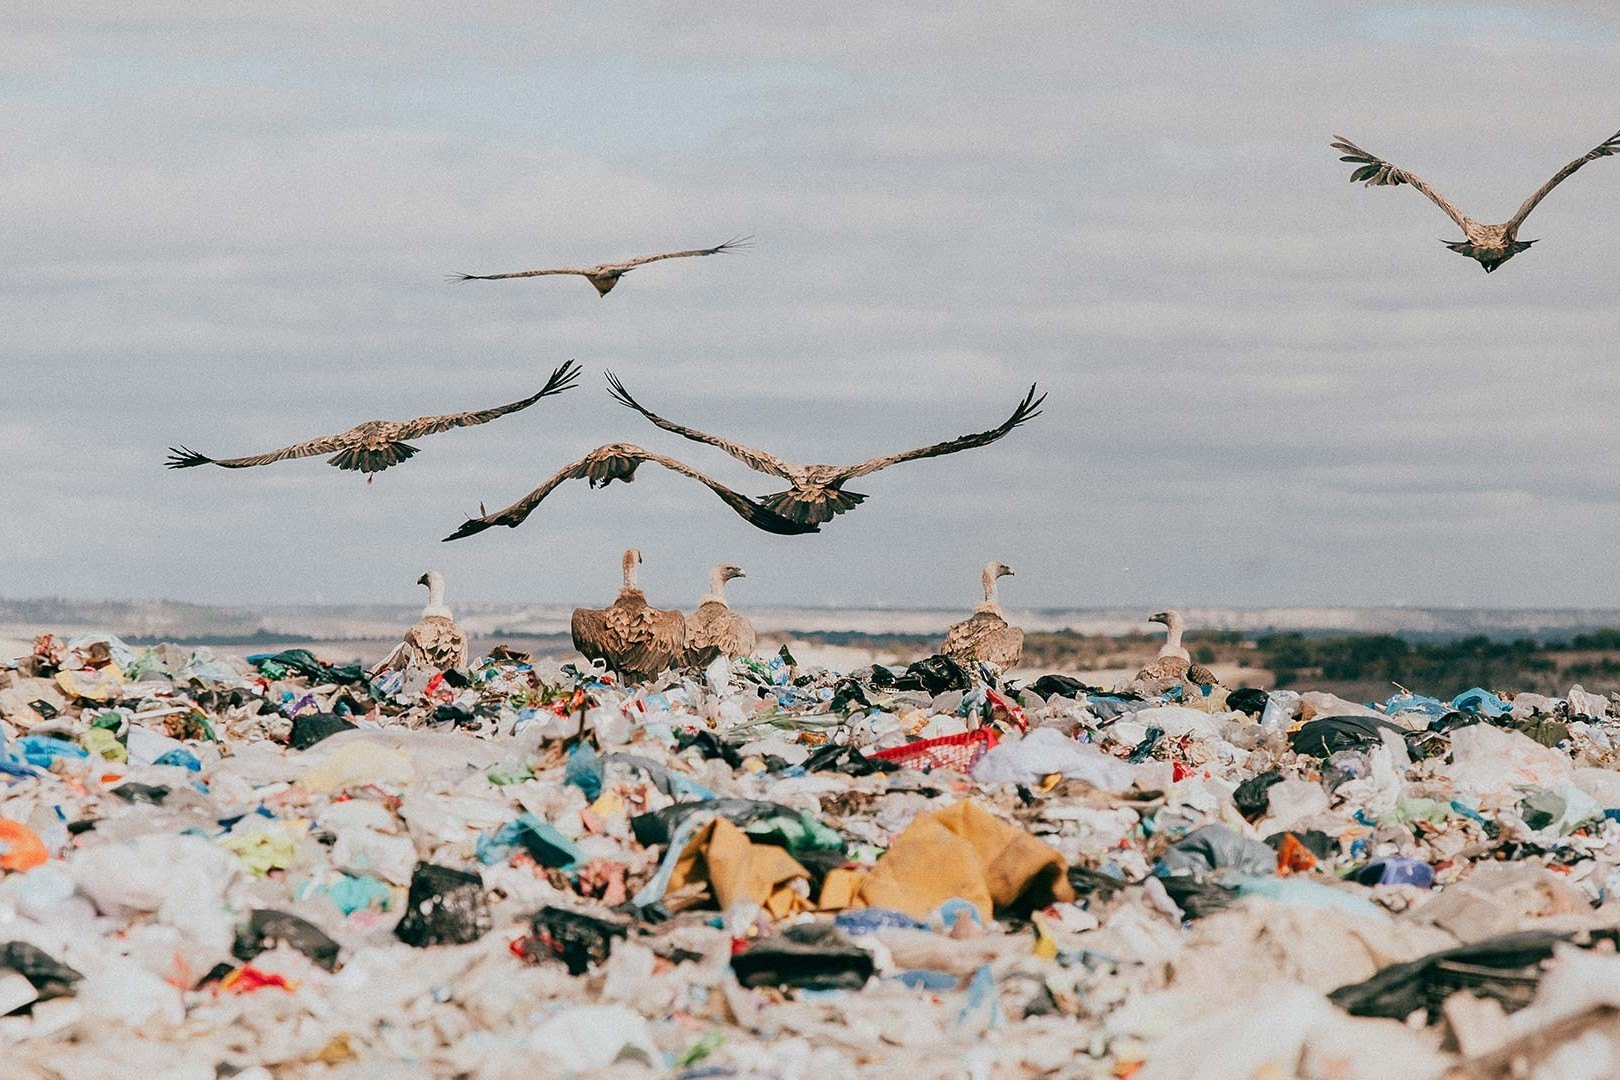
(735, 868)
(964, 851)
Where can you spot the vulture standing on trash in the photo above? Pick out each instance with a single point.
(985, 637)
(1174, 661)
(375, 445)
(619, 461)
(1489, 245)
(607, 275)
(631, 637)
(714, 630)
(435, 641)
(818, 494)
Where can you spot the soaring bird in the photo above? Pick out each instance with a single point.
(985, 636)
(631, 637)
(607, 275)
(435, 641)
(1174, 661)
(1489, 245)
(619, 461)
(818, 494)
(376, 445)
(714, 630)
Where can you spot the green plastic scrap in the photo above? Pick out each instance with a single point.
(706, 1044)
(502, 777)
(797, 832)
(98, 740)
(261, 852)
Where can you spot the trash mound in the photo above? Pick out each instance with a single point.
(271, 865)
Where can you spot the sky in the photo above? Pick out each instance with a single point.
(1268, 386)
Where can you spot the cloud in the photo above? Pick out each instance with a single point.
(1268, 385)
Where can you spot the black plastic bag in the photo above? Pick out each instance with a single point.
(841, 757)
(1197, 898)
(657, 826)
(445, 907)
(810, 956)
(1253, 796)
(579, 940)
(49, 977)
(1061, 686)
(710, 745)
(310, 728)
(266, 928)
(1328, 735)
(936, 675)
(1506, 969)
(1248, 699)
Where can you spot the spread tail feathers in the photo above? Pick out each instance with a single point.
(361, 459)
(812, 509)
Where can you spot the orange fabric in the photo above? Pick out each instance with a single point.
(1293, 857)
(20, 848)
(735, 868)
(966, 852)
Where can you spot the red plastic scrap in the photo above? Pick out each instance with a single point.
(1006, 710)
(247, 978)
(959, 752)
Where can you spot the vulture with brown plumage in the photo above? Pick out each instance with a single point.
(1489, 245)
(632, 637)
(619, 461)
(376, 445)
(606, 275)
(985, 637)
(435, 641)
(1174, 661)
(817, 493)
(714, 630)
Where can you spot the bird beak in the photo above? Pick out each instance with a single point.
(422, 580)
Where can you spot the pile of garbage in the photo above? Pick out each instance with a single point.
(275, 866)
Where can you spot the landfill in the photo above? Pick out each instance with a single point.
(273, 866)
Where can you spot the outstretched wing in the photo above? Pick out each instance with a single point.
(734, 244)
(758, 460)
(561, 379)
(1377, 172)
(183, 458)
(1028, 409)
(459, 277)
(1607, 148)
(749, 510)
(514, 515)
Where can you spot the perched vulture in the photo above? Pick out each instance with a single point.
(1489, 245)
(619, 461)
(985, 637)
(1175, 662)
(435, 641)
(607, 275)
(636, 640)
(714, 630)
(375, 445)
(817, 494)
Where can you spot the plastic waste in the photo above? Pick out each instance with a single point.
(810, 956)
(445, 907)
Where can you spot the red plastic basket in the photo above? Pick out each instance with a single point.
(959, 752)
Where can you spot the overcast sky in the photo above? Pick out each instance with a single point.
(1268, 386)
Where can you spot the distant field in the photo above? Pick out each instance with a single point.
(1425, 651)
